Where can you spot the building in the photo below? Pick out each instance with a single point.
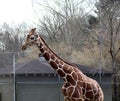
(36, 81)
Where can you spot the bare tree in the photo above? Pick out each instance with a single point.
(65, 21)
(109, 14)
(11, 41)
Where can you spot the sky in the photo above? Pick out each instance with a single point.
(16, 11)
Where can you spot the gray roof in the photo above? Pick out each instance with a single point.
(41, 67)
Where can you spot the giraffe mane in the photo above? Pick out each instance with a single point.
(69, 63)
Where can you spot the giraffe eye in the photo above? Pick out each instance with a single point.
(32, 38)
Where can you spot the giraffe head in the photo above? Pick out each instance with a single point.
(31, 39)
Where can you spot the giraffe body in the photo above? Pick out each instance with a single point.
(77, 86)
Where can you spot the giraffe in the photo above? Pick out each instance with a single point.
(77, 86)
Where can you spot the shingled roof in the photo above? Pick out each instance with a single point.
(41, 67)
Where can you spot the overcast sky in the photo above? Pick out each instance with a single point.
(18, 11)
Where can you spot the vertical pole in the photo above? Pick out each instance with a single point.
(100, 58)
(14, 80)
(100, 45)
(59, 86)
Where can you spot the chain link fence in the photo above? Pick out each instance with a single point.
(27, 77)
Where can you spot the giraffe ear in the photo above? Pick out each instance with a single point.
(32, 31)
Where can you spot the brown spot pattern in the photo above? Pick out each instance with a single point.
(52, 57)
(70, 80)
(66, 85)
(74, 75)
(61, 62)
(70, 90)
(88, 86)
(41, 45)
(47, 56)
(76, 93)
(64, 91)
(80, 77)
(60, 66)
(67, 69)
(61, 73)
(42, 50)
(54, 65)
(57, 61)
(89, 95)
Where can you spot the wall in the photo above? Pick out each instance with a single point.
(47, 88)
(39, 88)
(42, 87)
(6, 88)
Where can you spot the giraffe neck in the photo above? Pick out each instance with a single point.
(62, 67)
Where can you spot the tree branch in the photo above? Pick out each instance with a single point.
(111, 53)
(117, 51)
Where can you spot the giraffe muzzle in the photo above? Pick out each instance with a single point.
(23, 47)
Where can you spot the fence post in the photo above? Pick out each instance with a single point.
(59, 86)
(14, 78)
